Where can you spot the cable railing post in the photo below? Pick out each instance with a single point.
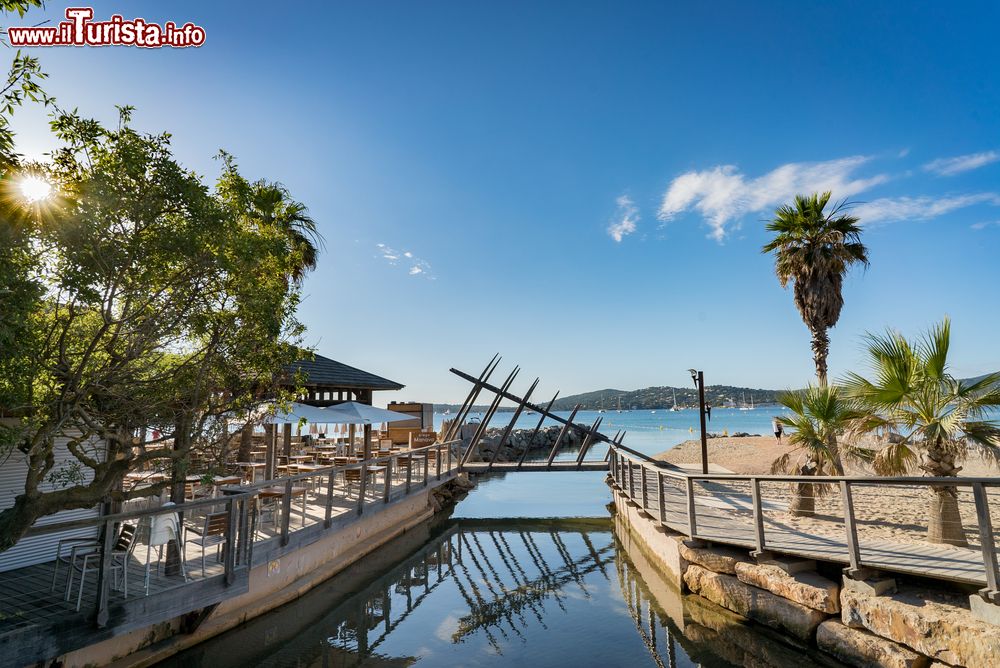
(104, 574)
(758, 516)
(425, 466)
(692, 520)
(985, 521)
(229, 551)
(643, 487)
(388, 479)
(437, 461)
(286, 511)
(409, 472)
(851, 528)
(362, 486)
(661, 494)
(328, 520)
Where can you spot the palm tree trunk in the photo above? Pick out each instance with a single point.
(944, 519)
(821, 349)
(803, 501)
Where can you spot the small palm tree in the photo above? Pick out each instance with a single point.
(925, 418)
(819, 416)
(813, 249)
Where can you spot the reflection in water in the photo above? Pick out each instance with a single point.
(480, 592)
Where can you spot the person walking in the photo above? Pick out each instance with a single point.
(777, 427)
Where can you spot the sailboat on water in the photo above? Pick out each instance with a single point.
(746, 407)
(674, 407)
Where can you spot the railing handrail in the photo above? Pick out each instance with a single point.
(42, 529)
(622, 472)
(673, 471)
(326, 470)
(238, 492)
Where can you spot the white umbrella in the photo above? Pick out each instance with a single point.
(352, 412)
(349, 412)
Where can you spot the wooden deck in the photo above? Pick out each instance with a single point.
(724, 517)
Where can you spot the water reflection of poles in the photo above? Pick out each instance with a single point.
(630, 584)
(514, 570)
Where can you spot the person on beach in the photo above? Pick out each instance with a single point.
(778, 429)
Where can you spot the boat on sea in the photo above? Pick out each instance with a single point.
(674, 407)
(745, 406)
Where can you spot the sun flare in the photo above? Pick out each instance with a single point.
(34, 189)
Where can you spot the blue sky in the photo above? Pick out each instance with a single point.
(583, 186)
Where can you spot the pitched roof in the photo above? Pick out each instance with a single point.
(331, 373)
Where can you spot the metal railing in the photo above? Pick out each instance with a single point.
(235, 544)
(885, 532)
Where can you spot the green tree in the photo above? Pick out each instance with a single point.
(819, 417)
(925, 418)
(160, 306)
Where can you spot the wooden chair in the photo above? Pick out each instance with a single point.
(212, 534)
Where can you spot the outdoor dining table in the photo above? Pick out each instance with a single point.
(278, 492)
(252, 468)
(220, 481)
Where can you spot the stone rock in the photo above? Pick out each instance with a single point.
(942, 631)
(718, 559)
(757, 604)
(809, 589)
(863, 649)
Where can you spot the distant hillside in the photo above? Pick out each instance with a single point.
(663, 397)
(650, 397)
(658, 397)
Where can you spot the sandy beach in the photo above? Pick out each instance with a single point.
(883, 512)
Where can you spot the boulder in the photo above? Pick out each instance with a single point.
(863, 649)
(718, 559)
(943, 631)
(809, 589)
(756, 604)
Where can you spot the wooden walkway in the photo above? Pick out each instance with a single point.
(725, 517)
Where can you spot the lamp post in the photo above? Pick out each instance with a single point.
(699, 382)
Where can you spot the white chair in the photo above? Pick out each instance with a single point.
(163, 529)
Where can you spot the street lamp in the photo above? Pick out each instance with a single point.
(699, 382)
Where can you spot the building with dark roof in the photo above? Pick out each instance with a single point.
(328, 382)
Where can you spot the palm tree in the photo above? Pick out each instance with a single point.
(813, 249)
(925, 418)
(272, 205)
(819, 416)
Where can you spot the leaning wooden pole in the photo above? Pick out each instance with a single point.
(510, 425)
(587, 441)
(562, 435)
(534, 433)
(483, 425)
(470, 400)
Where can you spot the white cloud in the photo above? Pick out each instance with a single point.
(961, 163)
(626, 219)
(984, 225)
(723, 194)
(893, 209)
(417, 267)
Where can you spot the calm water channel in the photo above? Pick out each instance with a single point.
(528, 571)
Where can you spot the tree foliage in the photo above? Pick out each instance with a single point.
(924, 417)
(148, 301)
(813, 249)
